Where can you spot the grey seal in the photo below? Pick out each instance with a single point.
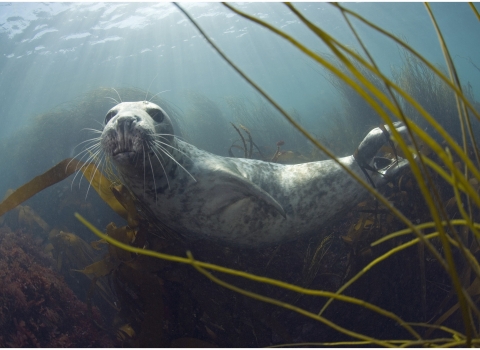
(238, 201)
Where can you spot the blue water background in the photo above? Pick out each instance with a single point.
(51, 53)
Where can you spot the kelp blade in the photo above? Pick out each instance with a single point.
(55, 174)
(58, 173)
(103, 187)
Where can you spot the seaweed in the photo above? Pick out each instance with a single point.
(37, 309)
(264, 124)
(58, 173)
(383, 99)
(414, 278)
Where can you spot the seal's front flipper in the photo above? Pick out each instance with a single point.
(233, 191)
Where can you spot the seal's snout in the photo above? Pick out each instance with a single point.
(133, 130)
(126, 123)
(124, 135)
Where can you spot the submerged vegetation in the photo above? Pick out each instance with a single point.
(433, 94)
(457, 246)
(265, 124)
(400, 270)
(37, 308)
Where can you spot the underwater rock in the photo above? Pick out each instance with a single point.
(37, 309)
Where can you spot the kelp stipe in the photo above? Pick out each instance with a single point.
(461, 184)
(379, 101)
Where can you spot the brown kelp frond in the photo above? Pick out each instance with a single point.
(359, 89)
(474, 9)
(330, 41)
(463, 115)
(58, 173)
(265, 124)
(418, 174)
(250, 141)
(444, 176)
(287, 306)
(386, 105)
(298, 126)
(414, 52)
(313, 259)
(39, 183)
(370, 87)
(277, 152)
(203, 266)
(245, 152)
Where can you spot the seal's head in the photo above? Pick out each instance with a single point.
(134, 129)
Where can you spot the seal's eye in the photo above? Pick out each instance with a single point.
(109, 116)
(156, 113)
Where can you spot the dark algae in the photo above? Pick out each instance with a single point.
(37, 308)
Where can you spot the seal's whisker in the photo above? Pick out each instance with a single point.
(92, 156)
(73, 180)
(91, 179)
(86, 151)
(90, 148)
(146, 95)
(102, 124)
(100, 163)
(144, 180)
(176, 136)
(107, 169)
(153, 176)
(111, 98)
(159, 143)
(90, 159)
(169, 145)
(92, 130)
(117, 95)
(158, 93)
(169, 155)
(162, 136)
(166, 176)
(172, 135)
(136, 157)
(159, 154)
(95, 139)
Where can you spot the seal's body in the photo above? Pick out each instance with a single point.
(238, 201)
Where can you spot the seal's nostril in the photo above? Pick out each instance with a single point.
(126, 121)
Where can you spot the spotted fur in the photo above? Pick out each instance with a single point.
(238, 201)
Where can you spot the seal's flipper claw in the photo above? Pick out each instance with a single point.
(392, 170)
